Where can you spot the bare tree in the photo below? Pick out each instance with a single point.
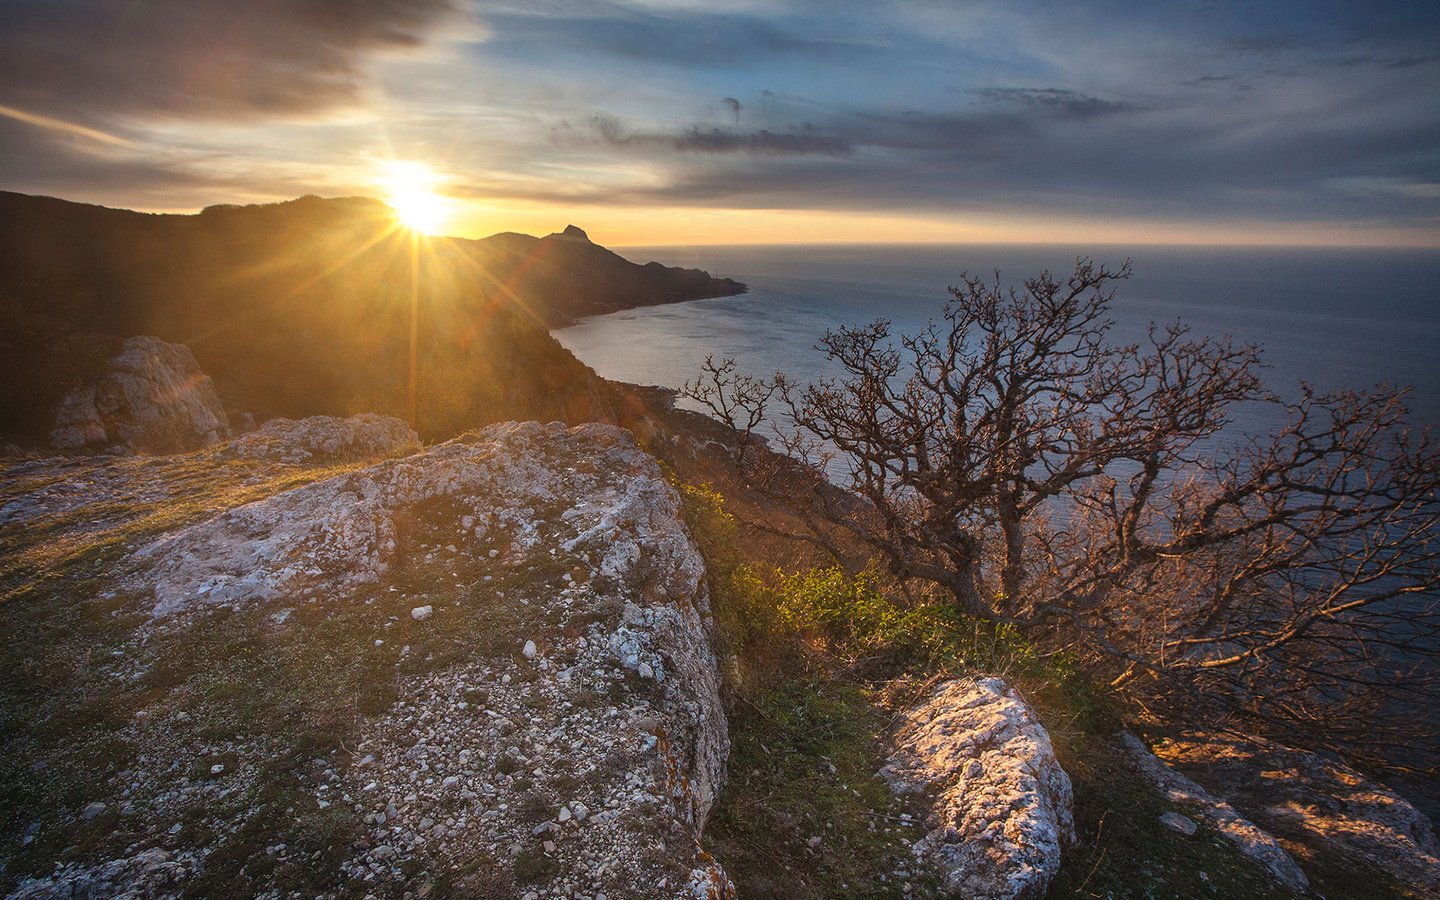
(738, 400)
(1048, 477)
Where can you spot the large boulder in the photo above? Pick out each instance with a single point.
(1001, 807)
(507, 639)
(1318, 801)
(320, 439)
(152, 399)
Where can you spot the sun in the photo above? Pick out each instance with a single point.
(410, 191)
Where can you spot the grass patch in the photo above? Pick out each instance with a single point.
(802, 766)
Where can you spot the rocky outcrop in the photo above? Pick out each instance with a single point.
(150, 873)
(1253, 841)
(576, 741)
(326, 439)
(1320, 802)
(152, 399)
(1000, 805)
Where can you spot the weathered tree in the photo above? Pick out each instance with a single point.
(1048, 477)
(737, 399)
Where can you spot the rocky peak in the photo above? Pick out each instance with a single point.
(572, 233)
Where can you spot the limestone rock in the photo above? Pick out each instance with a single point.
(1318, 801)
(478, 759)
(1000, 805)
(1252, 840)
(153, 399)
(327, 439)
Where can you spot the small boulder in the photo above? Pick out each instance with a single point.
(1000, 805)
(1176, 822)
(153, 398)
(322, 439)
(421, 613)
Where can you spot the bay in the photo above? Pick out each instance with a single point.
(1335, 317)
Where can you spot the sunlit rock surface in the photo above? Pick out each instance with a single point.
(1320, 801)
(552, 723)
(152, 399)
(1000, 805)
(1251, 839)
(327, 439)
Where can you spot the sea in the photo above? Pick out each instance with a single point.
(1335, 318)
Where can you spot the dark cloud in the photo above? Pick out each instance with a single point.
(212, 59)
(1057, 101)
(1390, 62)
(804, 140)
(37, 161)
(1212, 79)
(1263, 45)
(1167, 163)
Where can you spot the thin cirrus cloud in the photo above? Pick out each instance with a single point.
(1194, 113)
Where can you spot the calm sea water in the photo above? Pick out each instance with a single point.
(1336, 318)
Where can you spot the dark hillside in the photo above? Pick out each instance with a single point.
(304, 307)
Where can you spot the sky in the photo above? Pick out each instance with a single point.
(753, 121)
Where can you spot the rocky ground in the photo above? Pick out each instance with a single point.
(483, 670)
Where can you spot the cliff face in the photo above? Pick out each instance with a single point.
(478, 670)
(306, 308)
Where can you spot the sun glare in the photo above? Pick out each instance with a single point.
(410, 191)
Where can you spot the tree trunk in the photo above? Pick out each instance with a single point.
(1012, 574)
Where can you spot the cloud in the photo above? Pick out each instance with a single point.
(804, 140)
(38, 161)
(1058, 101)
(685, 38)
(1390, 62)
(200, 59)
